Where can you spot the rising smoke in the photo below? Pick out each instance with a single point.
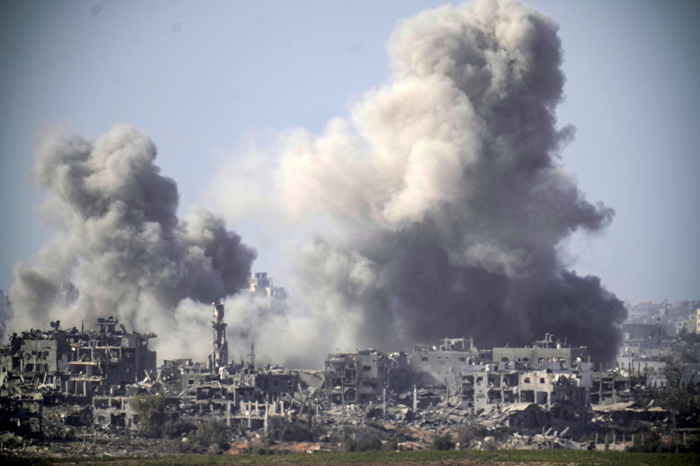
(120, 240)
(447, 198)
(436, 209)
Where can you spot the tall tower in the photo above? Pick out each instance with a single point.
(219, 347)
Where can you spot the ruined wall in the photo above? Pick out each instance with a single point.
(534, 355)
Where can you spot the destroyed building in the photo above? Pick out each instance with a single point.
(548, 373)
(493, 387)
(103, 370)
(241, 391)
(77, 363)
(547, 350)
(364, 376)
(442, 364)
(615, 386)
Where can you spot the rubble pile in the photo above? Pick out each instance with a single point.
(74, 392)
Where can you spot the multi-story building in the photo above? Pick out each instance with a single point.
(442, 364)
(5, 313)
(547, 350)
(79, 363)
(364, 375)
(488, 386)
(262, 286)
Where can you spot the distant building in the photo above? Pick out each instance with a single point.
(633, 331)
(547, 350)
(5, 313)
(262, 286)
(442, 364)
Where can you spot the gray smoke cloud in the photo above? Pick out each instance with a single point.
(441, 203)
(5, 307)
(121, 242)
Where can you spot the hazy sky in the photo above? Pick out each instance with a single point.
(200, 76)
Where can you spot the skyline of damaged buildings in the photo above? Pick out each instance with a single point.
(106, 366)
(427, 227)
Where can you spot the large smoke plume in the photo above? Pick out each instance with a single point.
(446, 198)
(120, 240)
(438, 208)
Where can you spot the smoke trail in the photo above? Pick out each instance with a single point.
(122, 243)
(449, 195)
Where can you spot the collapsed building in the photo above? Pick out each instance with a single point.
(76, 363)
(109, 364)
(548, 383)
(493, 386)
(365, 375)
(442, 364)
(547, 350)
(549, 373)
(242, 392)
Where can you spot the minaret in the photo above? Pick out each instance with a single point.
(219, 346)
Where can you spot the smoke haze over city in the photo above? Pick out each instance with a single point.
(440, 204)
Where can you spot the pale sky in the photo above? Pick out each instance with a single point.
(198, 76)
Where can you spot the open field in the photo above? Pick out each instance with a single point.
(511, 457)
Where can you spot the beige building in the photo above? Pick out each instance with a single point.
(697, 322)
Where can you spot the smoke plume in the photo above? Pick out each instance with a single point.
(121, 242)
(445, 195)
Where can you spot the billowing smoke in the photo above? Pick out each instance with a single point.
(438, 208)
(120, 241)
(445, 195)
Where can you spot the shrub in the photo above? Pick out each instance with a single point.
(176, 429)
(350, 445)
(489, 445)
(150, 410)
(443, 442)
(186, 446)
(212, 433)
(318, 431)
(503, 432)
(296, 433)
(392, 444)
(369, 443)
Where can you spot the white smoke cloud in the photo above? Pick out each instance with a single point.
(434, 209)
(439, 203)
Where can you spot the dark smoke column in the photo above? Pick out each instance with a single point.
(448, 186)
(120, 241)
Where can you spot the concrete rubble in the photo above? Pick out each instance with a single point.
(71, 392)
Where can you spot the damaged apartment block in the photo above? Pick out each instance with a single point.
(364, 376)
(242, 393)
(76, 363)
(91, 378)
